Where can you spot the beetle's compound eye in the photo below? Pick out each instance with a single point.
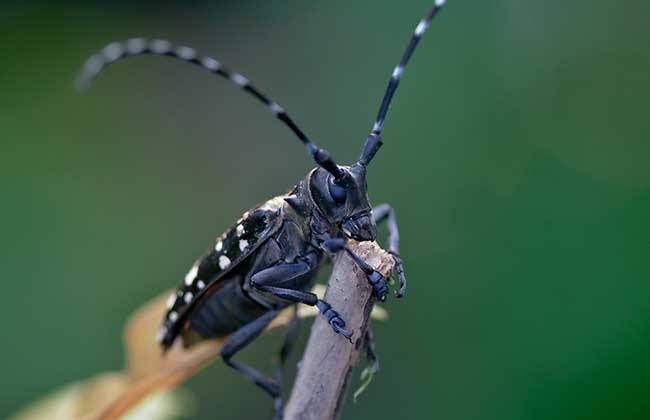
(338, 192)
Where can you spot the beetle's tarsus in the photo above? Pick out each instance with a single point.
(379, 286)
(334, 319)
(375, 278)
(338, 326)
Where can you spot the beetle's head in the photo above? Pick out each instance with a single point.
(344, 203)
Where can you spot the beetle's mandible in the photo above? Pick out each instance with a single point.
(269, 258)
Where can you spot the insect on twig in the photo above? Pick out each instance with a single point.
(268, 259)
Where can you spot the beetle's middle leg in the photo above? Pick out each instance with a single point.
(240, 339)
(278, 281)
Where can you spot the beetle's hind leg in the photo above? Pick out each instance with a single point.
(290, 338)
(385, 212)
(240, 339)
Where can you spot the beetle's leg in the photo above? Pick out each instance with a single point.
(273, 280)
(333, 318)
(281, 274)
(385, 212)
(240, 339)
(375, 278)
(293, 330)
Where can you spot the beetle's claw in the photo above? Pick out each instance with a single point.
(338, 326)
(334, 319)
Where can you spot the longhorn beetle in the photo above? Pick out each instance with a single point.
(269, 258)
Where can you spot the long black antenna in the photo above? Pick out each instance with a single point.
(399, 69)
(138, 46)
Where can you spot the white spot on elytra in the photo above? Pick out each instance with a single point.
(219, 246)
(162, 332)
(188, 297)
(173, 316)
(239, 79)
(191, 275)
(240, 230)
(397, 73)
(224, 262)
(171, 300)
(200, 284)
(422, 26)
(243, 244)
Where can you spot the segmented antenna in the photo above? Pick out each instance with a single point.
(139, 46)
(399, 69)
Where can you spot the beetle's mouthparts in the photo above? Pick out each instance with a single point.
(359, 227)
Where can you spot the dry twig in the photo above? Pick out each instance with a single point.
(324, 372)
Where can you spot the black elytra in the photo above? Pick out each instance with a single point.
(269, 258)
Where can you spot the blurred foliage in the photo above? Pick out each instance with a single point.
(142, 389)
(516, 156)
(75, 402)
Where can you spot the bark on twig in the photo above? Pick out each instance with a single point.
(324, 372)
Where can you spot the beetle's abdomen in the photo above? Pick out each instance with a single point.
(209, 273)
(225, 311)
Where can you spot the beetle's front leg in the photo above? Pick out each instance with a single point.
(385, 212)
(276, 281)
(375, 278)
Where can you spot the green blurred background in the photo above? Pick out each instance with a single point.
(516, 155)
